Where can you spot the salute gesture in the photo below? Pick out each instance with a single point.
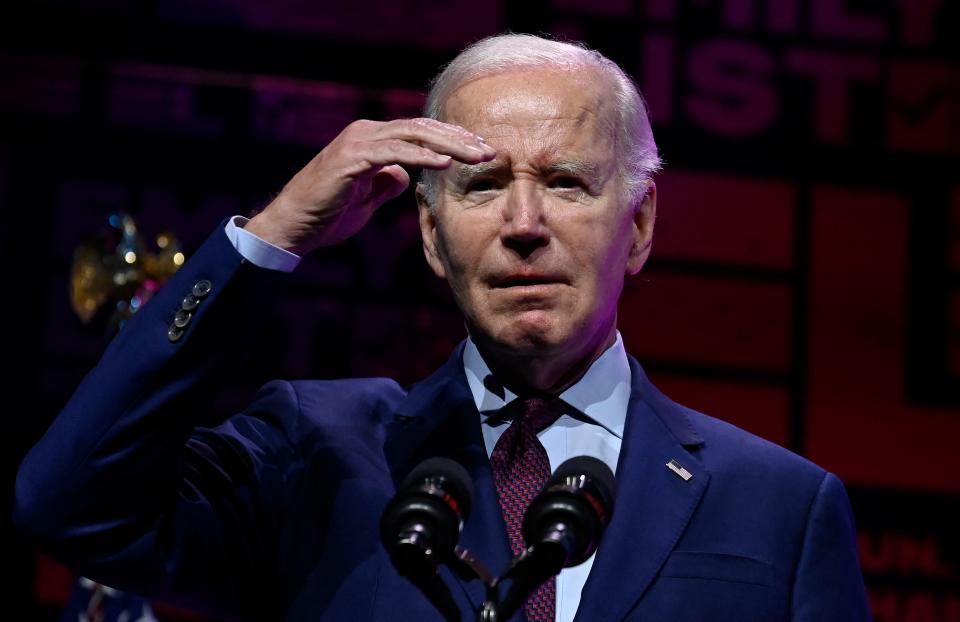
(336, 193)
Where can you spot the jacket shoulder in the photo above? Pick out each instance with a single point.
(727, 447)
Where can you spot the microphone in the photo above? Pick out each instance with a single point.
(573, 510)
(562, 528)
(421, 525)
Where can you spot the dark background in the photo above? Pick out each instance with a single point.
(805, 282)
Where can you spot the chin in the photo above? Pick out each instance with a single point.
(533, 336)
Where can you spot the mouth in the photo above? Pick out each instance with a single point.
(525, 281)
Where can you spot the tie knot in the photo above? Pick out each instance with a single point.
(538, 413)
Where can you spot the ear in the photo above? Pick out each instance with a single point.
(429, 233)
(644, 216)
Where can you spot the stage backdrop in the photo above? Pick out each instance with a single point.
(805, 282)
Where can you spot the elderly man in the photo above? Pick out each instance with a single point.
(537, 199)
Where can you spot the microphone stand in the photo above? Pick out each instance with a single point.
(468, 568)
(526, 573)
(465, 566)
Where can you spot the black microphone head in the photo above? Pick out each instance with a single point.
(421, 525)
(594, 473)
(573, 510)
(455, 480)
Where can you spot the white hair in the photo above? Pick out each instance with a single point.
(637, 152)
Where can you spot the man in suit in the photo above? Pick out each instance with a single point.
(537, 200)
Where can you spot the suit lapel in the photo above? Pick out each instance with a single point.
(440, 418)
(653, 504)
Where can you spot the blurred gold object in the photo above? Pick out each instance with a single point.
(90, 282)
(118, 270)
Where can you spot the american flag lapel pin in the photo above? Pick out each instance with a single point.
(681, 472)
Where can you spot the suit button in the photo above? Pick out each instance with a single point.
(189, 303)
(182, 318)
(174, 333)
(202, 287)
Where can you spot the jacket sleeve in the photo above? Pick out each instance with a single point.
(828, 584)
(126, 490)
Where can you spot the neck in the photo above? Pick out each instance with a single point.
(550, 373)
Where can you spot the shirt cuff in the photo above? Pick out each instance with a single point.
(258, 251)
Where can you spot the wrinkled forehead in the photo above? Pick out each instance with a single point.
(529, 97)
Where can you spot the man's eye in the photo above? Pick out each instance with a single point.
(481, 185)
(565, 181)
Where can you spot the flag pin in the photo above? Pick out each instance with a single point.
(677, 468)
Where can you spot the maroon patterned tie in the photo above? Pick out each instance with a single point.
(520, 470)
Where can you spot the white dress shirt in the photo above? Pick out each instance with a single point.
(595, 428)
(258, 251)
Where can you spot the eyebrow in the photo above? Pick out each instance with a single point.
(466, 172)
(589, 171)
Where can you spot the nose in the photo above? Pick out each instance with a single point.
(525, 228)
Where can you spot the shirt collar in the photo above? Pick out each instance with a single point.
(601, 395)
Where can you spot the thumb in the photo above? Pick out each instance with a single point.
(387, 183)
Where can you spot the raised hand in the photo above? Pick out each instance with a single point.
(336, 193)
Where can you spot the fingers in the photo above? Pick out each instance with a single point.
(379, 153)
(398, 152)
(444, 138)
(413, 142)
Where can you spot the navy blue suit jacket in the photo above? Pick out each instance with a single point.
(273, 515)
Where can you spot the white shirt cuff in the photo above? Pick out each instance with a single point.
(258, 251)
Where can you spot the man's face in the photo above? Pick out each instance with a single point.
(535, 243)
